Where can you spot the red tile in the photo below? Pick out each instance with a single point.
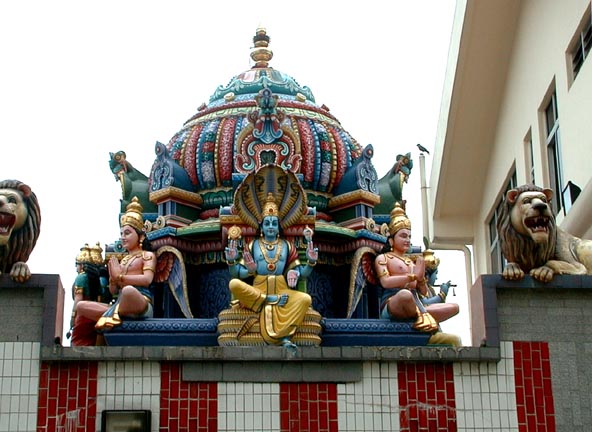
(213, 406)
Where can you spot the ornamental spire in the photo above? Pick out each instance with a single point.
(260, 53)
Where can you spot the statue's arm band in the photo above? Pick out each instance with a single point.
(384, 272)
(149, 268)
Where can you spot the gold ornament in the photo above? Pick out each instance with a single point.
(96, 254)
(234, 232)
(270, 208)
(271, 262)
(84, 256)
(399, 220)
(133, 215)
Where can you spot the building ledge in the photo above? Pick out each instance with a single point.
(272, 354)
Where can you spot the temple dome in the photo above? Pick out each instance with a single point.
(263, 116)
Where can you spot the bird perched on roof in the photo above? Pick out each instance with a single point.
(422, 149)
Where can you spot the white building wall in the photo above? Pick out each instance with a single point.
(538, 61)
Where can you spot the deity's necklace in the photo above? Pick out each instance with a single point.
(271, 261)
(270, 245)
(129, 258)
(407, 261)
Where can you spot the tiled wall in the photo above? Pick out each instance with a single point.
(131, 385)
(19, 371)
(248, 406)
(371, 404)
(308, 406)
(485, 396)
(513, 394)
(67, 397)
(186, 406)
(426, 397)
(534, 392)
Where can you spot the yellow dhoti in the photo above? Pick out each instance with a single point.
(276, 322)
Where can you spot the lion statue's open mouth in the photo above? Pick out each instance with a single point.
(537, 224)
(6, 224)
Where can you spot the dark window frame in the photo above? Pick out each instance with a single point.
(583, 44)
(553, 144)
(496, 257)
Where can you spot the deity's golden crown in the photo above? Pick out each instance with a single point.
(399, 220)
(84, 256)
(133, 215)
(270, 208)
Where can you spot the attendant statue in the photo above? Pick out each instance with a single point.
(130, 279)
(403, 280)
(431, 296)
(274, 264)
(91, 284)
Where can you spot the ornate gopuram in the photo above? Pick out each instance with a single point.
(263, 133)
(265, 281)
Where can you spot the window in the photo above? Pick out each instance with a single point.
(498, 261)
(554, 151)
(529, 158)
(581, 44)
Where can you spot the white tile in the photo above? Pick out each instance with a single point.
(18, 350)
(15, 385)
(275, 420)
(249, 422)
(7, 368)
(8, 350)
(13, 422)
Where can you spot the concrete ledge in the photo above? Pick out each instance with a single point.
(272, 354)
(231, 371)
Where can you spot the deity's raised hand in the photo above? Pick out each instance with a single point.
(250, 263)
(312, 253)
(231, 251)
(292, 278)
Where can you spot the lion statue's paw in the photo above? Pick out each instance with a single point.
(543, 274)
(20, 272)
(513, 272)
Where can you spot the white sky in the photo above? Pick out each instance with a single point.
(81, 79)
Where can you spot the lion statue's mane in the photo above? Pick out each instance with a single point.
(519, 248)
(22, 241)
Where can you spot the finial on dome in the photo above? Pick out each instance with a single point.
(260, 53)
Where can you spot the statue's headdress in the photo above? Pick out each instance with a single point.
(431, 261)
(270, 208)
(133, 215)
(270, 191)
(96, 254)
(399, 220)
(84, 256)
